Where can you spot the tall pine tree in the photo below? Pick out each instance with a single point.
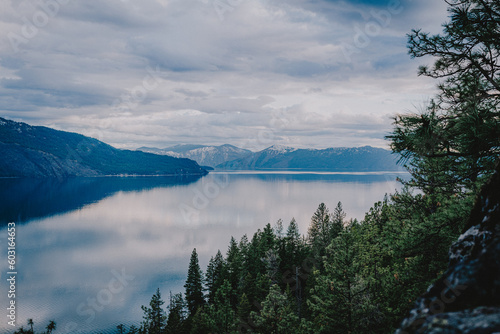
(176, 315)
(214, 276)
(194, 285)
(154, 315)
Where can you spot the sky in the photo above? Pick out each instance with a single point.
(252, 73)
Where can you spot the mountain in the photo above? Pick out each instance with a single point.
(203, 155)
(36, 151)
(358, 159)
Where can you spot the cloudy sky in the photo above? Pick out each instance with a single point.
(253, 73)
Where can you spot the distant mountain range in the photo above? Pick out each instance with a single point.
(228, 157)
(35, 151)
(210, 156)
(339, 159)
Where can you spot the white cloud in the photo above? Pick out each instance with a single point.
(217, 81)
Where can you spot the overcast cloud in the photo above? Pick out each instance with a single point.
(253, 73)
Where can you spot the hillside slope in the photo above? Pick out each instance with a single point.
(357, 159)
(203, 155)
(35, 151)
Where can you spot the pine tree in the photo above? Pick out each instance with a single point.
(272, 262)
(218, 317)
(234, 267)
(332, 300)
(244, 309)
(202, 322)
(51, 326)
(277, 315)
(154, 315)
(294, 255)
(215, 275)
(222, 312)
(456, 140)
(294, 248)
(133, 330)
(337, 224)
(278, 229)
(267, 239)
(30, 323)
(194, 285)
(318, 233)
(176, 315)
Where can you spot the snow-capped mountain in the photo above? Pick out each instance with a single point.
(355, 159)
(279, 157)
(280, 149)
(203, 155)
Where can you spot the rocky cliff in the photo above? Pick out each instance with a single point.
(466, 299)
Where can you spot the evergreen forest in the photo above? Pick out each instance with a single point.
(349, 276)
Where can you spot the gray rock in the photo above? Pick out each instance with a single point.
(466, 299)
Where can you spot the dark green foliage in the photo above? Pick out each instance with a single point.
(318, 234)
(51, 326)
(194, 285)
(234, 266)
(337, 223)
(214, 276)
(364, 277)
(30, 323)
(333, 300)
(454, 143)
(277, 315)
(324, 228)
(367, 280)
(218, 317)
(154, 315)
(201, 322)
(133, 330)
(176, 315)
(243, 312)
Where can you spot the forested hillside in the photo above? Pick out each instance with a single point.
(348, 276)
(36, 151)
(364, 277)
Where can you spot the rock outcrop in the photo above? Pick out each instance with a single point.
(466, 299)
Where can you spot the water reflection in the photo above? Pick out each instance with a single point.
(22, 200)
(82, 233)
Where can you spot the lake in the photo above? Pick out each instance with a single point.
(91, 251)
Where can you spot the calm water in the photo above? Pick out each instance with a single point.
(90, 252)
